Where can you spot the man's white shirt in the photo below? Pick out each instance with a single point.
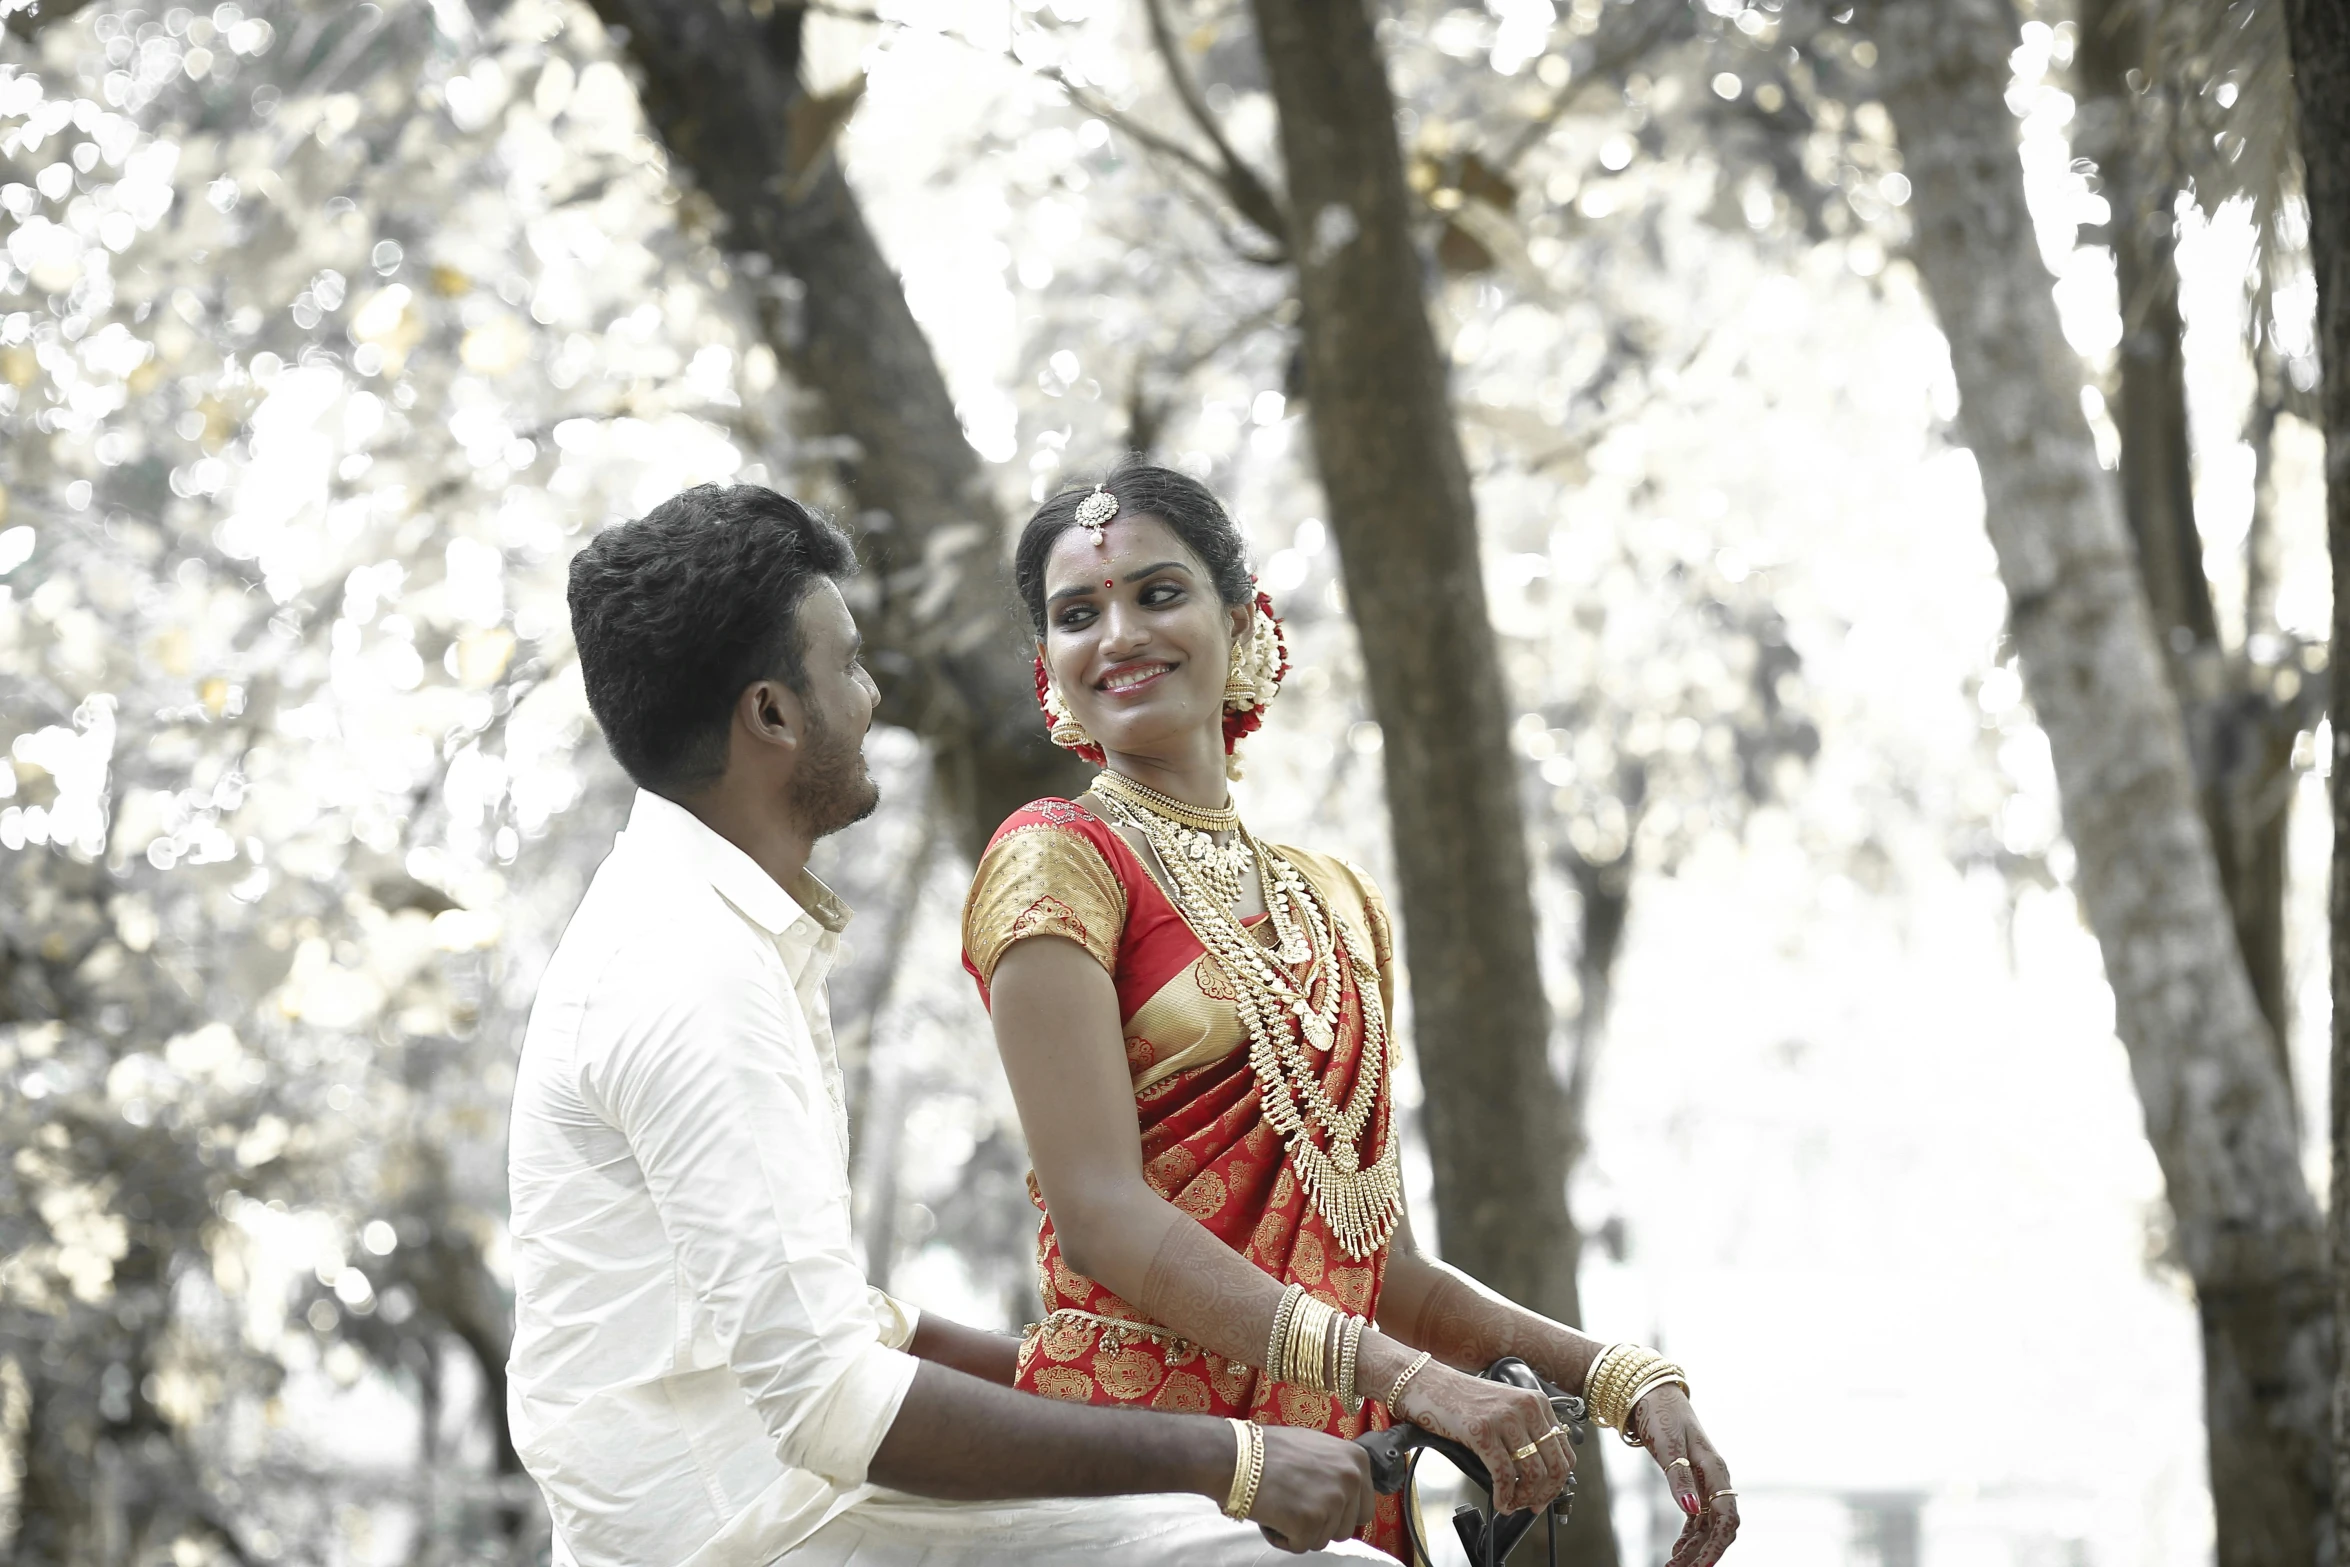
(700, 1371)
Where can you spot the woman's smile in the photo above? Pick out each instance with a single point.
(1131, 678)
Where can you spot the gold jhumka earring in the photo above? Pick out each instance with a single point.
(1067, 732)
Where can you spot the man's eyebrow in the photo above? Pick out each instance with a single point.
(1079, 590)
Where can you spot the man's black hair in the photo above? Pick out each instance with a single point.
(676, 612)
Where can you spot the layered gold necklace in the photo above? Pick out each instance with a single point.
(1289, 1001)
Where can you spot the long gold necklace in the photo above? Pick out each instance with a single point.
(1290, 1020)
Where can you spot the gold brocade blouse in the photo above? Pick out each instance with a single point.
(1066, 874)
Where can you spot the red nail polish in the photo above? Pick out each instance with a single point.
(1689, 1505)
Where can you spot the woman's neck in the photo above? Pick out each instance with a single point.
(1193, 773)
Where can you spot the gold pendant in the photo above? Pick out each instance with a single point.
(1318, 1033)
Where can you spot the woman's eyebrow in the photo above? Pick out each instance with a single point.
(1079, 590)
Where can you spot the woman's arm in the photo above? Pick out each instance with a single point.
(1439, 1309)
(1442, 1310)
(1057, 1027)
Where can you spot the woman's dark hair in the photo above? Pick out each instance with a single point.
(1176, 499)
(676, 612)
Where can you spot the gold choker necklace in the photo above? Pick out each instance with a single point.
(1198, 818)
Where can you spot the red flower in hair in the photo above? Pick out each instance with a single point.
(1239, 724)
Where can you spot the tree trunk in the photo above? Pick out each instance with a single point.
(2320, 34)
(1406, 526)
(2240, 739)
(719, 80)
(2245, 1224)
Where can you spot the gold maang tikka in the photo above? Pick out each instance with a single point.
(1095, 511)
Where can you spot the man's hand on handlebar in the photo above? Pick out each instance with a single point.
(1316, 1489)
(1495, 1421)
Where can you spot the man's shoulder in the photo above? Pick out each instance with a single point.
(644, 923)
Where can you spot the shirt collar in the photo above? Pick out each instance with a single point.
(677, 836)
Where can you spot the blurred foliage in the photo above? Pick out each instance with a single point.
(332, 326)
(327, 330)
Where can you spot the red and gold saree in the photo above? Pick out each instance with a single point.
(1054, 869)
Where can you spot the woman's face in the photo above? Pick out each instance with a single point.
(1135, 636)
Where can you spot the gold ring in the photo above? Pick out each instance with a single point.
(1677, 1461)
(1553, 1431)
(1718, 1495)
(1529, 1450)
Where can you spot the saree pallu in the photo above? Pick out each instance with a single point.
(1054, 869)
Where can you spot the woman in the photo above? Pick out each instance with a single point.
(1194, 1026)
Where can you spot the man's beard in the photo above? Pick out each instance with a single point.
(831, 789)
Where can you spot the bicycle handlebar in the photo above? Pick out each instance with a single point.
(1488, 1541)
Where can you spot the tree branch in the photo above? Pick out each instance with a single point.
(1246, 188)
(1184, 158)
(1604, 65)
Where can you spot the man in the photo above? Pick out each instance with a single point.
(700, 1372)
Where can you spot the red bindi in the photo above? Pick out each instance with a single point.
(1107, 583)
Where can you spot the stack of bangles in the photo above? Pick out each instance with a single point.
(1314, 1345)
(1620, 1378)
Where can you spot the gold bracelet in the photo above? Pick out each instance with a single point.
(1277, 1348)
(1350, 1346)
(1418, 1365)
(1664, 1373)
(1596, 1379)
(1310, 1349)
(1248, 1470)
(1619, 1369)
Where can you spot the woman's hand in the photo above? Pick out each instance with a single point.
(1495, 1421)
(1700, 1480)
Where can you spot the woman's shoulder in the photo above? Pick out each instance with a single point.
(1053, 840)
(1053, 812)
(1050, 870)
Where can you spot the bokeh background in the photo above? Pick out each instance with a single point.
(329, 331)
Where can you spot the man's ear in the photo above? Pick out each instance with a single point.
(771, 713)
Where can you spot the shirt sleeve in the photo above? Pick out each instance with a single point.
(713, 1080)
(895, 1318)
(1042, 880)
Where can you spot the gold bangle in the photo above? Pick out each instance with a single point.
(1620, 1370)
(1277, 1349)
(1291, 1340)
(1310, 1363)
(1313, 1343)
(1419, 1364)
(1350, 1347)
(1248, 1470)
(1664, 1373)
(1597, 1379)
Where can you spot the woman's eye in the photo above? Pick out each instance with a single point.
(1074, 617)
(1161, 593)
